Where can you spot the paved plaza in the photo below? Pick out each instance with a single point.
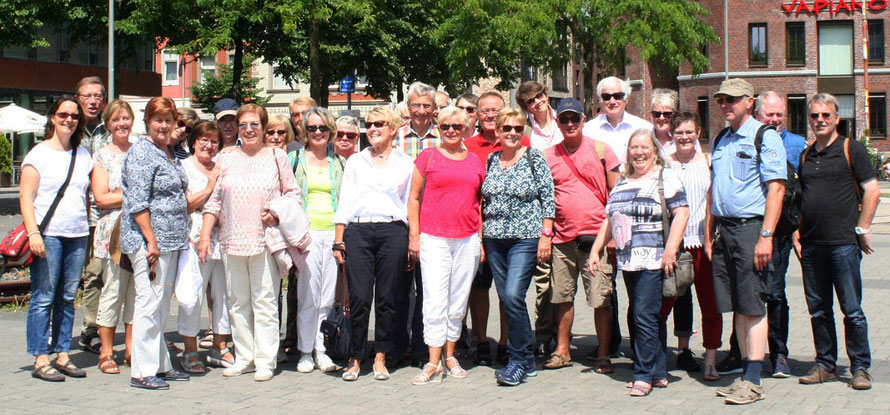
(577, 389)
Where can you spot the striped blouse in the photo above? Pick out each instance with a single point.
(696, 179)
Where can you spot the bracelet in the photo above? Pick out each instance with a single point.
(339, 246)
(33, 233)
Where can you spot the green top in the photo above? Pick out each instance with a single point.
(321, 207)
(336, 165)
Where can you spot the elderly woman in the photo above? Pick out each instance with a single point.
(693, 168)
(119, 292)
(371, 226)
(347, 136)
(469, 102)
(57, 237)
(533, 99)
(250, 177)
(319, 174)
(278, 132)
(517, 227)
(634, 221)
(154, 231)
(443, 217)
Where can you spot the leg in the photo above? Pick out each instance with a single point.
(360, 274)
(240, 309)
(564, 285)
(544, 321)
(147, 335)
(520, 262)
(46, 274)
(644, 290)
(307, 289)
(111, 301)
(92, 290)
(712, 321)
(436, 260)
(290, 325)
(848, 283)
(265, 282)
(389, 262)
(777, 302)
(73, 258)
(327, 287)
(466, 254)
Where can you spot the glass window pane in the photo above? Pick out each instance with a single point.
(170, 73)
(757, 47)
(877, 115)
(796, 121)
(876, 41)
(796, 45)
(835, 50)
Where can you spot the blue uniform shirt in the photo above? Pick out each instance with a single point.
(738, 186)
(794, 145)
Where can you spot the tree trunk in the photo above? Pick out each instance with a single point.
(317, 88)
(237, 69)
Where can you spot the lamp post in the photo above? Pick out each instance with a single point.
(111, 49)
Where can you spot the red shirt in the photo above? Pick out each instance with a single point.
(579, 211)
(450, 205)
(482, 148)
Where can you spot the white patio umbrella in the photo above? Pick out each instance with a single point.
(15, 119)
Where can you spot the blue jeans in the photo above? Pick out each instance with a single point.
(512, 263)
(54, 282)
(835, 266)
(644, 291)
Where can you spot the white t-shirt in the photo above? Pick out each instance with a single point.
(616, 137)
(198, 182)
(70, 218)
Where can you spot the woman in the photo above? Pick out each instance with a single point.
(347, 137)
(187, 120)
(206, 141)
(371, 227)
(278, 132)
(119, 291)
(319, 174)
(517, 227)
(469, 102)
(404, 114)
(693, 168)
(250, 177)
(444, 233)
(154, 231)
(634, 220)
(531, 97)
(59, 246)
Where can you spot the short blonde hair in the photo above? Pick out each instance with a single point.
(326, 117)
(666, 98)
(508, 113)
(388, 116)
(452, 111)
(308, 101)
(114, 107)
(281, 120)
(659, 160)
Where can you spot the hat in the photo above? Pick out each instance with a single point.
(225, 106)
(569, 104)
(735, 87)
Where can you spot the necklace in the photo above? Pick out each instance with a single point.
(376, 154)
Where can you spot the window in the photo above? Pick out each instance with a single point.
(876, 42)
(835, 49)
(93, 54)
(64, 49)
(559, 79)
(170, 68)
(278, 81)
(877, 114)
(148, 58)
(705, 121)
(796, 118)
(757, 42)
(577, 84)
(795, 44)
(527, 72)
(208, 63)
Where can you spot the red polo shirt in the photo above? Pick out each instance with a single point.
(482, 148)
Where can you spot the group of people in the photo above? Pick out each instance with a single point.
(444, 201)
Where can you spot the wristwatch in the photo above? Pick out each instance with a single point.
(765, 233)
(547, 232)
(860, 231)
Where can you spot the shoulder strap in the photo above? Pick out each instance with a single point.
(850, 168)
(720, 135)
(52, 208)
(758, 138)
(665, 221)
(601, 152)
(528, 158)
(426, 171)
(568, 161)
(342, 289)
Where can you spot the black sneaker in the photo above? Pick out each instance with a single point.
(173, 375)
(686, 361)
(730, 364)
(91, 343)
(482, 355)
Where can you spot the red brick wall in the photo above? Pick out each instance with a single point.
(61, 77)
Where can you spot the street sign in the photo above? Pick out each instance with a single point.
(347, 85)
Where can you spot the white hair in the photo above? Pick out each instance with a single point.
(348, 121)
(666, 98)
(421, 89)
(625, 86)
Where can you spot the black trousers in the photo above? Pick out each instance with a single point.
(409, 325)
(375, 259)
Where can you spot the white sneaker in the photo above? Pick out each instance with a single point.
(238, 369)
(262, 375)
(306, 364)
(324, 363)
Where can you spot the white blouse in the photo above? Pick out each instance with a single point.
(696, 179)
(369, 191)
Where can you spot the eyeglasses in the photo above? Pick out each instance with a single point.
(253, 126)
(442, 106)
(455, 127)
(64, 115)
(619, 96)
(534, 98)
(517, 128)
(350, 136)
(469, 109)
(728, 100)
(206, 141)
(314, 128)
(91, 97)
(574, 118)
(817, 115)
(279, 132)
(417, 106)
(660, 114)
(377, 124)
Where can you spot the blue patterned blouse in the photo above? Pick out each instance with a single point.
(516, 201)
(151, 181)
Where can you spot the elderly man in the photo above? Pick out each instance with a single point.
(771, 110)
(746, 201)
(298, 107)
(614, 125)
(442, 101)
(421, 132)
(840, 196)
(224, 112)
(90, 93)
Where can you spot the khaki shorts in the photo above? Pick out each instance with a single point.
(598, 287)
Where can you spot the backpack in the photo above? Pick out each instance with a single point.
(789, 218)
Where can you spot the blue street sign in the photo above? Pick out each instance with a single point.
(347, 85)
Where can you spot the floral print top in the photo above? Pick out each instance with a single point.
(112, 163)
(516, 200)
(154, 182)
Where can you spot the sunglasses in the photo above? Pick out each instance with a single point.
(279, 132)
(468, 109)
(817, 115)
(728, 100)
(188, 130)
(350, 136)
(534, 98)
(608, 97)
(314, 128)
(378, 124)
(455, 127)
(662, 114)
(574, 118)
(64, 115)
(517, 128)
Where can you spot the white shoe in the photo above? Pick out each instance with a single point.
(324, 363)
(262, 375)
(239, 369)
(306, 364)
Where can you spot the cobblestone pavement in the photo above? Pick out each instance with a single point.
(569, 390)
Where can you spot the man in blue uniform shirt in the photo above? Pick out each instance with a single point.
(746, 201)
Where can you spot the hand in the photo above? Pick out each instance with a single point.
(338, 255)
(543, 249)
(269, 219)
(36, 244)
(414, 246)
(482, 254)
(204, 250)
(763, 253)
(152, 254)
(410, 263)
(593, 262)
(211, 179)
(865, 244)
(708, 248)
(669, 261)
(795, 244)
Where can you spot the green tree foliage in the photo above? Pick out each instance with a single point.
(5, 155)
(19, 21)
(215, 87)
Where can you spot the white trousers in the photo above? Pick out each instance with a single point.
(449, 265)
(150, 354)
(118, 295)
(316, 287)
(213, 272)
(253, 284)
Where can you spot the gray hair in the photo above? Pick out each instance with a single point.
(823, 98)
(659, 159)
(469, 97)
(625, 86)
(421, 89)
(452, 111)
(666, 97)
(348, 121)
(764, 96)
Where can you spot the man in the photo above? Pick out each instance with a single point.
(421, 132)
(584, 171)
(833, 235)
(224, 112)
(771, 110)
(614, 125)
(442, 101)
(483, 144)
(746, 201)
(469, 102)
(90, 93)
(298, 108)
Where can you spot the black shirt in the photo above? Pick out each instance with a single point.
(830, 204)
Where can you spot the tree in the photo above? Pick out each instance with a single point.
(215, 87)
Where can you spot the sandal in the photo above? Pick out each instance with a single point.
(206, 341)
(455, 371)
(711, 373)
(660, 383)
(558, 361)
(107, 365)
(604, 365)
(215, 358)
(69, 369)
(128, 361)
(288, 347)
(47, 373)
(639, 390)
(191, 366)
(425, 378)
